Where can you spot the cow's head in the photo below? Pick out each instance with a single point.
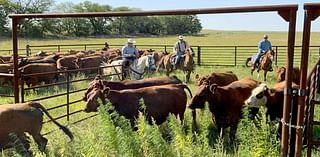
(201, 95)
(281, 74)
(96, 83)
(92, 100)
(258, 98)
(151, 63)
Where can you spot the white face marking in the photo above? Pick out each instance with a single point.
(257, 97)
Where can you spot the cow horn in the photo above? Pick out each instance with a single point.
(213, 88)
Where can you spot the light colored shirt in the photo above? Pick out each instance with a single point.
(264, 45)
(129, 51)
(180, 47)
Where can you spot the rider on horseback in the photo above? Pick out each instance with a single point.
(179, 48)
(264, 46)
(129, 53)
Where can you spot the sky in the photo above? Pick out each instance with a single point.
(270, 21)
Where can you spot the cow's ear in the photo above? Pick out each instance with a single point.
(106, 91)
(213, 88)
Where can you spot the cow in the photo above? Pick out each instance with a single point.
(6, 59)
(126, 102)
(219, 78)
(89, 62)
(6, 68)
(225, 102)
(24, 118)
(38, 68)
(281, 73)
(129, 84)
(271, 98)
(67, 63)
(47, 59)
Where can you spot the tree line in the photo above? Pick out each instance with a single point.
(96, 26)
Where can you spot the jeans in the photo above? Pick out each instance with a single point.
(178, 59)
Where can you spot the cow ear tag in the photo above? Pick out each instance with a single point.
(213, 88)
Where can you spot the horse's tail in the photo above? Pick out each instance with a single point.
(248, 61)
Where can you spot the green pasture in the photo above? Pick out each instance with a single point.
(209, 56)
(99, 136)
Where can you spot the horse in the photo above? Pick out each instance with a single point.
(137, 68)
(265, 64)
(186, 66)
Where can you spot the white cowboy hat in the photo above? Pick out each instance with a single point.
(180, 37)
(131, 41)
(265, 36)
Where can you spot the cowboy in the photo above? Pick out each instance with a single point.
(129, 53)
(179, 48)
(263, 47)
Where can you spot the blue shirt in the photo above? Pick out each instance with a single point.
(264, 45)
(129, 52)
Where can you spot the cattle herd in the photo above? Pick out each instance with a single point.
(225, 93)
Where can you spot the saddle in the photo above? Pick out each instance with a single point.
(173, 59)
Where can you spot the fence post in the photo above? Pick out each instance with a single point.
(28, 53)
(276, 55)
(165, 49)
(106, 45)
(199, 55)
(22, 89)
(85, 47)
(319, 52)
(68, 95)
(235, 56)
(58, 48)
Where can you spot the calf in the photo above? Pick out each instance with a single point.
(126, 102)
(225, 102)
(24, 118)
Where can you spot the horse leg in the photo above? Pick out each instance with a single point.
(188, 76)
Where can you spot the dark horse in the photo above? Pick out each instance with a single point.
(265, 64)
(186, 66)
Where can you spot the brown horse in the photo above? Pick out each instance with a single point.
(265, 64)
(186, 66)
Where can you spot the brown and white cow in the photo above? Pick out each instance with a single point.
(281, 73)
(130, 84)
(24, 118)
(271, 98)
(225, 102)
(39, 68)
(219, 78)
(159, 101)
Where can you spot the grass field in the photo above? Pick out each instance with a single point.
(100, 136)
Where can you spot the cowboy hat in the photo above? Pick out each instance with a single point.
(131, 41)
(265, 36)
(180, 37)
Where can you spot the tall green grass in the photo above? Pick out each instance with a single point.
(111, 135)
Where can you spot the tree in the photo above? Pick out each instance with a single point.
(100, 25)
(4, 11)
